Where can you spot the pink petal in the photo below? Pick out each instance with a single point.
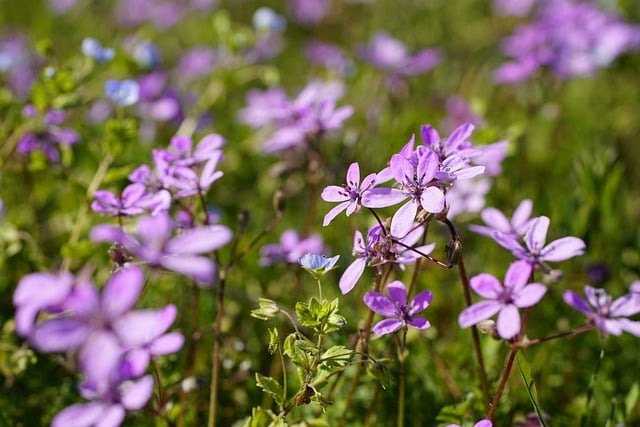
(79, 415)
(380, 304)
(432, 200)
(383, 197)
(521, 214)
(529, 295)
(199, 240)
(333, 193)
(420, 302)
(122, 291)
(167, 344)
(562, 249)
(353, 175)
(200, 268)
(351, 275)
(536, 235)
(134, 395)
(576, 301)
(517, 275)
(495, 220)
(402, 220)
(486, 285)
(508, 322)
(478, 312)
(334, 212)
(111, 417)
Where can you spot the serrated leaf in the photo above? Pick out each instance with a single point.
(336, 356)
(271, 386)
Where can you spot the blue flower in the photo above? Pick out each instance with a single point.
(122, 92)
(317, 264)
(93, 48)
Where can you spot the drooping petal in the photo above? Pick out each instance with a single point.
(432, 200)
(134, 395)
(387, 326)
(529, 295)
(380, 304)
(79, 415)
(335, 212)
(122, 291)
(508, 323)
(419, 322)
(562, 249)
(351, 275)
(517, 275)
(478, 312)
(576, 301)
(420, 302)
(486, 285)
(402, 221)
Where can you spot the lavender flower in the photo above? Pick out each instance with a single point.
(496, 221)
(504, 299)
(481, 423)
(349, 195)
(572, 38)
(395, 307)
(127, 204)
(329, 56)
(122, 92)
(532, 247)
(291, 248)
(309, 12)
(49, 134)
(153, 243)
(607, 314)
(382, 247)
(19, 62)
(389, 54)
(197, 62)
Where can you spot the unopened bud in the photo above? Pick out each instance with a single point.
(279, 200)
(454, 251)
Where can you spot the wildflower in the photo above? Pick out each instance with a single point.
(329, 56)
(349, 195)
(93, 49)
(504, 299)
(49, 134)
(153, 243)
(496, 221)
(382, 247)
(533, 248)
(290, 248)
(127, 204)
(309, 12)
(318, 265)
(399, 314)
(122, 92)
(607, 314)
(481, 423)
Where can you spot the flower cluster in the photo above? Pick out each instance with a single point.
(48, 134)
(572, 38)
(399, 314)
(113, 343)
(293, 122)
(291, 248)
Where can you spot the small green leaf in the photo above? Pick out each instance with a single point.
(525, 372)
(266, 309)
(272, 387)
(273, 340)
(336, 356)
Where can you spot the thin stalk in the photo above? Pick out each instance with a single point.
(401, 385)
(560, 335)
(215, 358)
(503, 382)
(592, 384)
(360, 346)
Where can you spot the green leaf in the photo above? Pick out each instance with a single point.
(525, 372)
(266, 309)
(336, 356)
(272, 387)
(274, 334)
(631, 400)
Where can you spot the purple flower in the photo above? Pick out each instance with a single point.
(382, 247)
(504, 299)
(607, 314)
(49, 134)
(572, 38)
(312, 113)
(349, 195)
(399, 314)
(467, 196)
(19, 62)
(532, 247)
(153, 243)
(496, 221)
(481, 423)
(389, 54)
(196, 63)
(309, 11)
(127, 204)
(329, 56)
(291, 248)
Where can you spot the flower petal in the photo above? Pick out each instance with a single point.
(529, 295)
(432, 200)
(486, 285)
(201, 268)
(420, 302)
(517, 275)
(60, 334)
(383, 197)
(577, 302)
(79, 415)
(536, 235)
(351, 275)
(402, 220)
(387, 326)
(508, 322)
(134, 395)
(122, 291)
(380, 304)
(397, 293)
(478, 312)
(334, 193)
(562, 249)
(419, 322)
(199, 240)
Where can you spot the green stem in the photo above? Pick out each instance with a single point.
(215, 358)
(592, 384)
(401, 385)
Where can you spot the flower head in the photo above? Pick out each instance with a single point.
(504, 299)
(607, 314)
(318, 265)
(93, 49)
(399, 314)
(122, 92)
